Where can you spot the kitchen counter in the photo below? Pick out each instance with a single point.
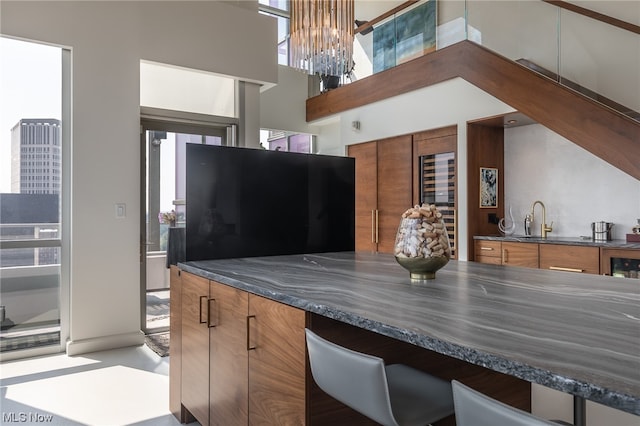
(574, 333)
(576, 241)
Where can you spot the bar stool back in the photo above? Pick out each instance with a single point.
(393, 395)
(476, 409)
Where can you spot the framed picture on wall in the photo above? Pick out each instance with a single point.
(488, 188)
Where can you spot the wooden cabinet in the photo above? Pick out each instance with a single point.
(195, 347)
(240, 359)
(383, 190)
(506, 253)
(488, 252)
(277, 363)
(520, 254)
(228, 356)
(620, 262)
(570, 258)
(558, 257)
(435, 177)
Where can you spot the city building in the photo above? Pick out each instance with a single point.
(36, 156)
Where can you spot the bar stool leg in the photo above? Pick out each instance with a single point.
(579, 411)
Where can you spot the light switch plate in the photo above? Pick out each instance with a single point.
(121, 211)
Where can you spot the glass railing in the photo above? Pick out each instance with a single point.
(29, 285)
(596, 59)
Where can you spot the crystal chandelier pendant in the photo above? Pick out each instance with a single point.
(322, 36)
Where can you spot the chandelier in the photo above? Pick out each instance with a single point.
(322, 36)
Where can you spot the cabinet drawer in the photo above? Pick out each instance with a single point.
(570, 258)
(520, 254)
(487, 249)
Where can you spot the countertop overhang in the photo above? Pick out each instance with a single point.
(572, 241)
(575, 333)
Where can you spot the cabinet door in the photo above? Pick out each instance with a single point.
(277, 363)
(570, 258)
(488, 252)
(366, 194)
(229, 369)
(520, 254)
(395, 190)
(175, 344)
(195, 347)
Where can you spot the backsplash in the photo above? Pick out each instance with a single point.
(576, 187)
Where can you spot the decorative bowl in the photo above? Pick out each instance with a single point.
(422, 244)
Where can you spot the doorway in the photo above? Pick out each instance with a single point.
(163, 144)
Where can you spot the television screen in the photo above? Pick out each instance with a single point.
(249, 202)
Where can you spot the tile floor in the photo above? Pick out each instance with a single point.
(128, 386)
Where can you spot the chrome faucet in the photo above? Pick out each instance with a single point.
(544, 229)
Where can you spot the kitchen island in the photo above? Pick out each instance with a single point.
(574, 333)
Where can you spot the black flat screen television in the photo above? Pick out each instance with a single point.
(243, 202)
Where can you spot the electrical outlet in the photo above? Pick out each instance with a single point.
(493, 218)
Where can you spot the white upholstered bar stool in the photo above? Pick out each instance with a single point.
(474, 408)
(392, 395)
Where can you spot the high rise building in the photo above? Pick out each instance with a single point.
(36, 156)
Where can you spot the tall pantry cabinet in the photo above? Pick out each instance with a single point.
(383, 190)
(394, 174)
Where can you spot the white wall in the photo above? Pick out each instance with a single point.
(108, 40)
(576, 187)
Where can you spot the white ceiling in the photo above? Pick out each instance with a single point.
(366, 10)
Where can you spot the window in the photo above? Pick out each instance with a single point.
(279, 9)
(31, 228)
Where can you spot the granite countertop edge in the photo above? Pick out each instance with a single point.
(600, 394)
(576, 241)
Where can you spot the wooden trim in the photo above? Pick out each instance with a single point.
(595, 15)
(601, 131)
(384, 16)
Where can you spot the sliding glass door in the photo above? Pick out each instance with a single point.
(163, 207)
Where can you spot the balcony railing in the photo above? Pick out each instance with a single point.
(599, 58)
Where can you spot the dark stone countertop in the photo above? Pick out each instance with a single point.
(576, 333)
(575, 241)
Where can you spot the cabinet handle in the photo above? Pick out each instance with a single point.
(206, 316)
(505, 256)
(211, 313)
(250, 346)
(487, 248)
(373, 227)
(560, 268)
(376, 226)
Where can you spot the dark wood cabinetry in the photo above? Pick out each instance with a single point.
(228, 357)
(520, 254)
(277, 363)
(237, 358)
(394, 174)
(557, 257)
(195, 347)
(435, 177)
(383, 190)
(570, 258)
